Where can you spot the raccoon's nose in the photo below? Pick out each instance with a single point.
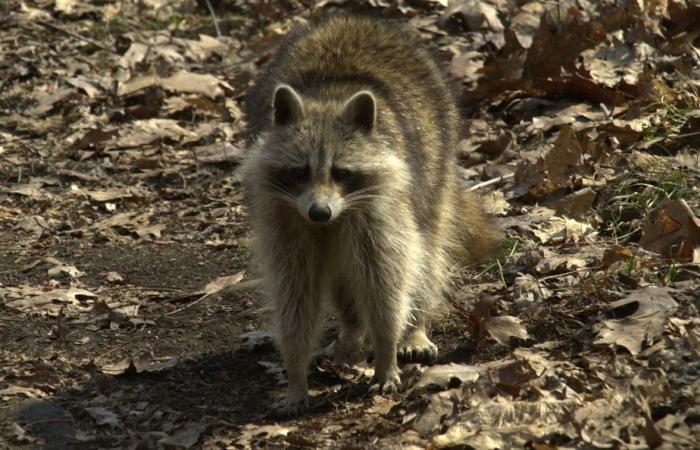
(319, 213)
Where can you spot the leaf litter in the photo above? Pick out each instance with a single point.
(119, 203)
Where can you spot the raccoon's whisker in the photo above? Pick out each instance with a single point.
(358, 201)
(362, 197)
(281, 192)
(375, 187)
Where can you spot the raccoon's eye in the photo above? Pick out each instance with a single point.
(340, 175)
(300, 174)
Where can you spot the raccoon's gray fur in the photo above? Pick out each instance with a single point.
(353, 197)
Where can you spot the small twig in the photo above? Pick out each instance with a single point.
(216, 21)
(685, 135)
(244, 286)
(580, 269)
(487, 269)
(77, 36)
(491, 181)
(500, 271)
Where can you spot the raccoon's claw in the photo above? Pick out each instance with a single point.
(291, 408)
(390, 385)
(417, 348)
(417, 354)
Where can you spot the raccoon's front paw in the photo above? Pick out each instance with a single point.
(416, 347)
(292, 407)
(387, 384)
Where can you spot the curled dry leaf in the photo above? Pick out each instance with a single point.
(672, 230)
(527, 288)
(504, 327)
(22, 391)
(505, 424)
(560, 230)
(146, 362)
(143, 132)
(553, 171)
(186, 436)
(442, 374)
(35, 299)
(615, 254)
(250, 432)
(103, 416)
(642, 318)
(256, 339)
(222, 284)
(182, 82)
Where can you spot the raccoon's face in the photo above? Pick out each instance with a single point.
(323, 157)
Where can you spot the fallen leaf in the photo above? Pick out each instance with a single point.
(643, 314)
(103, 416)
(22, 391)
(442, 375)
(672, 230)
(185, 436)
(561, 229)
(250, 431)
(502, 328)
(193, 83)
(49, 302)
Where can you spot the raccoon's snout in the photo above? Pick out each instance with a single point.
(320, 213)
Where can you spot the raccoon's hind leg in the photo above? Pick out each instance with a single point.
(415, 346)
(347, 348)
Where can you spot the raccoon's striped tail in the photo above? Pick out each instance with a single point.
(476, 234)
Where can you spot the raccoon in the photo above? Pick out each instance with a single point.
(353, 196)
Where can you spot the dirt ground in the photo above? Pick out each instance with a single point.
(129, 316)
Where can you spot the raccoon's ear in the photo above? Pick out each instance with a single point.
(360, 111)
(287, 106)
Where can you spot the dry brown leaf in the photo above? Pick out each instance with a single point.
(105, 195)
(186, 436)
(575, 205)
(47, 102)
(193, 83)
(527, 288)
(442, 374)
(611, 63)
(22, 391)
(495, 203)
(557, 45)
(615, 254)
(561, 229)
(219, 152)
(202, 49)
(135, 55)
(502, 328)
(143, 132)
(103, 416)
(475, 14)
(553, 171)
(145, 362)
(506, 424)
(644, 314)
(49, 302)
(672, 230)
(250, 431)
(221, 284)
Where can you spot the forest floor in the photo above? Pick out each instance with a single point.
(128, 311)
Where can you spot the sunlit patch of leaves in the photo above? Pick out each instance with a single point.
(636, 193)
(669, 120)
